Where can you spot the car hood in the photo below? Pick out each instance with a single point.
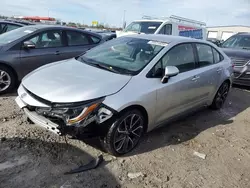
(124, 33)
(73, 81)
(240, 53)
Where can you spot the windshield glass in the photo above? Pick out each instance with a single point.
(13, 35)
(237, 41)
(125, 55)
(143, 27)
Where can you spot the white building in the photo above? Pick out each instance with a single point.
(224, 32)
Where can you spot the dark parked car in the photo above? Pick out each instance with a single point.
(215, 41)
(27, 48)
(6, 26)
(237, 47)
(107, 34)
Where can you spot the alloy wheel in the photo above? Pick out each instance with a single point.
(222, 95)
(128, 133)
(5, 80)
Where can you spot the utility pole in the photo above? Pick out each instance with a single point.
(123, 19)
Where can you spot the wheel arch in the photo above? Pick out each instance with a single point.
(141, 109)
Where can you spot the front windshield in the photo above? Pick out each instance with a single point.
(237, 41)
(124, 55)
(143, 27)
(13, 35)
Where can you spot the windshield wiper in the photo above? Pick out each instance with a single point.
(106, 67)
(246, 48)
(110, 68)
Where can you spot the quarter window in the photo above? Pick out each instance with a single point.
(95, 39)
(217, 56)
(205, 55)
(48, 39)
(77, 38)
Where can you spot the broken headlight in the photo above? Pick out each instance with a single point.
(79, 115)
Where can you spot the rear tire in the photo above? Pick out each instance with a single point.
(220, 96)
(7, 80)
(125, 133)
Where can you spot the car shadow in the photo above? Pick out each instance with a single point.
(36, 163)
(11, 94)
(189, 127)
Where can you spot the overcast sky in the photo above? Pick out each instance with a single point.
(213, 12)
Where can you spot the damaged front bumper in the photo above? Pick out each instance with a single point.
(38, 119)
(91, 126)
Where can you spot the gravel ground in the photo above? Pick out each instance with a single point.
(32, 157)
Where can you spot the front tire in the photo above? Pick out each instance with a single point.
(125, 133)
(220, 96)
(7, 80)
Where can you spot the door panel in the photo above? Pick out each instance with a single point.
(49, 47)
(77, 43)
(180, 94)
(210, 69)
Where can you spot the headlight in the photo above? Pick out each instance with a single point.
(79, 114)
(72, 113)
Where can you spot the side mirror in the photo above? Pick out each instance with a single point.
(170, 71)
(29, 45)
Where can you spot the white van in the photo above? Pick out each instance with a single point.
(173, 25)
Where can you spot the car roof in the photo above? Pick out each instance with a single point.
(164, 38)
(10, 22)
(244, 34)
(40, 27)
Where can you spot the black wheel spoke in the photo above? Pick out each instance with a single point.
(120, 131)
(121, 144)
(120, 139)
(126, 144)
(221, 95)
(134, 123)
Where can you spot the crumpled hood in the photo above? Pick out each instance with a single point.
(237, 53)
(73, 81)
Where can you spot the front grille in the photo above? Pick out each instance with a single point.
(237, 74)
(239, 62)
(246, 76)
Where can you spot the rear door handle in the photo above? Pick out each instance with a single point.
(219, 70)
(195, 78)
(57, 53)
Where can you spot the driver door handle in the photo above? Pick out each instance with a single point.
(57, 53)
(195, 78)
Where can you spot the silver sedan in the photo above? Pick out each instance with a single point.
(128, 86)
